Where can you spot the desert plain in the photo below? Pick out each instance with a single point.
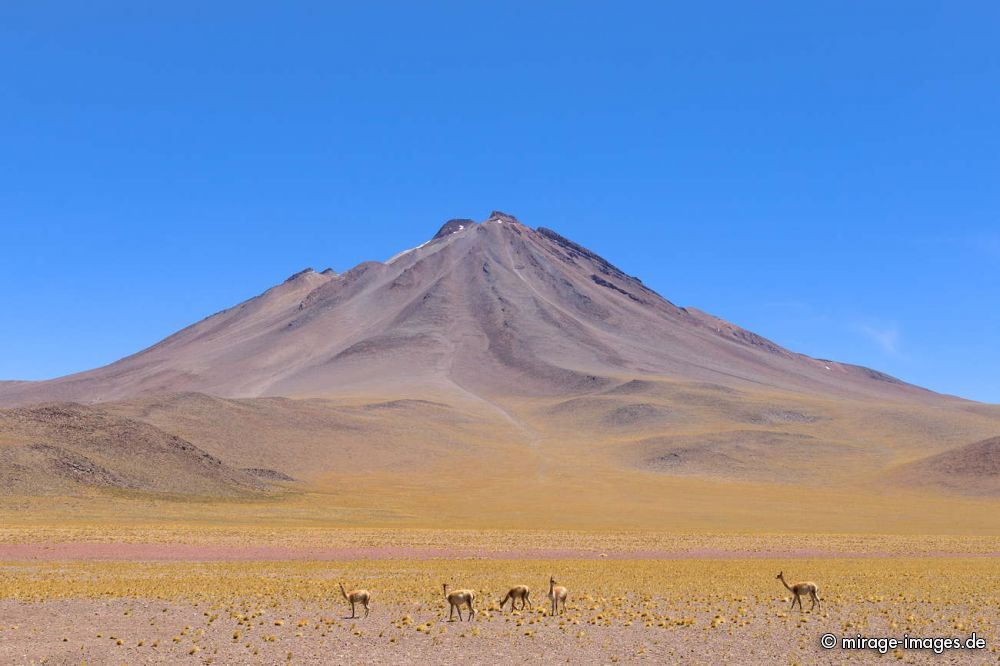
(257, 595)
(493, 408)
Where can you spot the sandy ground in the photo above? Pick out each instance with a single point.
(182, 552)
(151, 632)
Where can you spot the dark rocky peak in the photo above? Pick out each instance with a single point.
(499, 216)
(453, 226)
(296, 276)
(328, 271)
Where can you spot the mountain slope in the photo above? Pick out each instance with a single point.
(971, 469)
(65, 448)
(494, 308)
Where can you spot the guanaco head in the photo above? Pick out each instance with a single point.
(552, 580)
(444, 586)
(780, 576)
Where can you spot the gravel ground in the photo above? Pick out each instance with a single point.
(123, 631)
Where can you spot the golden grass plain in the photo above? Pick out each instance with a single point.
(693, 610)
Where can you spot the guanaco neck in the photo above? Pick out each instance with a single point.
(789, 587)
(342, 590)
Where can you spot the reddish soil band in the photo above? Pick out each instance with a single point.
(176, 552)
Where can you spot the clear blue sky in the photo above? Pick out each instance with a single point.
(825, 174)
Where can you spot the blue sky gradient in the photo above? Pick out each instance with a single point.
(825, 174)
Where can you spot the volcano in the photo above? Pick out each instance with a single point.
(492, 308)
(491, 352)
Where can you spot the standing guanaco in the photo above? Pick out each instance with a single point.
(458, 598)
(356, 597)
(557, 594)
(518, 592)
(798, 589)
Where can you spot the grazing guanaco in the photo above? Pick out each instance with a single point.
(798, 589)
(521, 592)
(458, 598)
(356, 597)
(557, 594)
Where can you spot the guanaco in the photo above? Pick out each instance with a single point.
(515, 593)
(557, 594)
(458, 598)
(356, 597)
(798, 589)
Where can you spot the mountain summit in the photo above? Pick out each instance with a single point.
(488, 308)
